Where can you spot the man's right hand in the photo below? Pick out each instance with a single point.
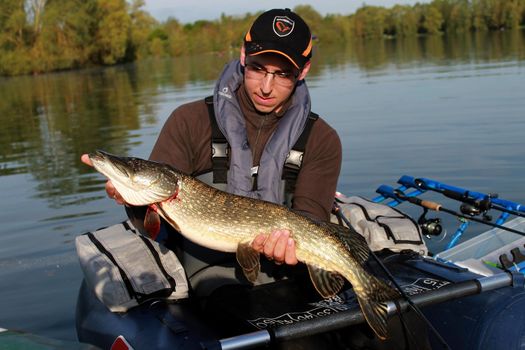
(110, 189)
(277, 246)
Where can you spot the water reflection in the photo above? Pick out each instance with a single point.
(371, 55)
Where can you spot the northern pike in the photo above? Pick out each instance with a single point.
(229, 223)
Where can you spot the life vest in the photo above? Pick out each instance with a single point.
(220, 151)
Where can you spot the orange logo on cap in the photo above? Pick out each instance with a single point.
(282, 25)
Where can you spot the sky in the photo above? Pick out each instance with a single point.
(187, 11)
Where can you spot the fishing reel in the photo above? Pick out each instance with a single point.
(471, 210)
(431, 226)
(477, 207)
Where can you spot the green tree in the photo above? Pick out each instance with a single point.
(401, 21)
(511, 14)
(35, 12)
(65, 35)
(369, 21)
(47, 35)
(177, 40)
(14, 37)
(231, 31)
(478, 16)
(522, 12)
(335, 28)
(198, 36)
(158, 40)
(142, 24)
(431, 20)
(493, 12)
(12, 24)
(311, 16)
(112, 34)
(445, 8)
(459, 17)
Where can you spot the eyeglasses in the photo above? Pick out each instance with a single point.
(283, 78)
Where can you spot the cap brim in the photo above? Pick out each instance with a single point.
(277, 52)
(298, 62)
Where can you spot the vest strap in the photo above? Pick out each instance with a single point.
(219, 147)
(294, 159)
(220, 151)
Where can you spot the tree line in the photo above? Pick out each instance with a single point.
(49, 35)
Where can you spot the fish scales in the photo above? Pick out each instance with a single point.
(229, 220)
(229, 223)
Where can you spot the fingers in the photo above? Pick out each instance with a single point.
(113, 193)
(258, 242)
(290, 258)
(277, 246)
(85, 159)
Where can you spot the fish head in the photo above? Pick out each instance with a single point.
(138, 181)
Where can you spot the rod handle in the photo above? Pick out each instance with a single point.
(430, 205)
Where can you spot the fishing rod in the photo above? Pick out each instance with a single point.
(400, 195)
(479, 201)
(339, 214)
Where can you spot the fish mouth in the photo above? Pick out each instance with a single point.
(100, 155)
(137, 183)
(106, 162)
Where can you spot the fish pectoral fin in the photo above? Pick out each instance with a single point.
(249, 260)
(152, 222)
(327, 283)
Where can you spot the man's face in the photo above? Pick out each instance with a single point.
(268, 91)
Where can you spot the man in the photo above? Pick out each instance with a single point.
(261, 105)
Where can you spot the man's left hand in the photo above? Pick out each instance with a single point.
(277, 246)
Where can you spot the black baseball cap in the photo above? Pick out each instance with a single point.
(283, 32)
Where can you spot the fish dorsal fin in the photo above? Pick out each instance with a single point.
(249, 260)
(327, 283)
(354, 242)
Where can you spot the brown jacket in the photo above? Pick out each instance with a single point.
(185, 143)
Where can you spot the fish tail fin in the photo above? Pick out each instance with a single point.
(374, 306)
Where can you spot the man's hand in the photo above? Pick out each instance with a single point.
(277, 246)
(110, 189)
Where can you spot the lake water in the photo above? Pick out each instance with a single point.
(452, 109)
